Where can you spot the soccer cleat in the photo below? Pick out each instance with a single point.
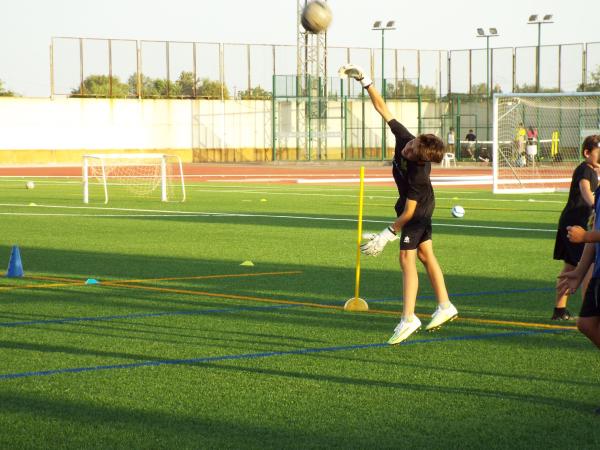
(404, 329)
(561, 314)
(440, 316)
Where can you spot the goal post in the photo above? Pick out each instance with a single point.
(537, 139)
(139, 174)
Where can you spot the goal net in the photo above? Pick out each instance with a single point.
(537, 139)
(141, 174)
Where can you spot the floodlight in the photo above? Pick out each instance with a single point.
(533, 17)
(480, 32)
(548, 17)
(377, 24)
(493, 31)
(390, 24)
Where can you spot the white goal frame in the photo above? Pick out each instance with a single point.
(530, 184)
(102, 157)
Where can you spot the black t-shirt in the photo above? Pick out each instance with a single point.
(471, 137)
(576, 211)
(412, 178)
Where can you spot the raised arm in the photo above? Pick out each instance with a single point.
(379, 103)
(352, 71)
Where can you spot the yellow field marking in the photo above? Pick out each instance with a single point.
(123, 284)
(39, 277)
(519, 324)
(203, 277)
(235, 297)
(486, 321)
(334, 307)
(40, 286)
(197, 277)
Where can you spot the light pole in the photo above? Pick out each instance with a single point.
(493, 32)
(533, 20)
(379, 26)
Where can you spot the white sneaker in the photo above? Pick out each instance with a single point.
(404, 329)
(441, 316)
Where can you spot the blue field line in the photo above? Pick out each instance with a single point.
(142, 315)
(250, 356)
(469, 294)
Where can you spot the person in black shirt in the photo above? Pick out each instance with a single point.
(470, 148)
(576, 212)
(414, 208)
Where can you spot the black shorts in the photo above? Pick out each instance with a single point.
(413, 234)
(565, 250)
(591, 302)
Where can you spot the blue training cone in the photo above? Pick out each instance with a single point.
(15, 267)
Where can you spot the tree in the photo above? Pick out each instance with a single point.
(256, 93)
(408, 88)
(593, 83)
(4, 92)
(529, 88)
(481, 89)
(211, 89)
(154, 87)
(99, 86)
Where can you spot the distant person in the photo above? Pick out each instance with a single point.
(451, 140)
(532, 141)
(532, 135)
(471, 139)
(520, 136)
(576, 212)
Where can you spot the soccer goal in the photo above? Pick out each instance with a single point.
(537, 139)
(140, 174)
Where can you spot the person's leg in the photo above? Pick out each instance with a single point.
(445, 311)
(434, 271)
(586, 281)
(410, 282)
(560, 305)
(410, 285)
(590, 327)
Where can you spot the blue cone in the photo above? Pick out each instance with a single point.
(91, 281)
(15, 267)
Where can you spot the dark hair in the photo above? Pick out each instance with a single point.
(590, 143)
(430, 148)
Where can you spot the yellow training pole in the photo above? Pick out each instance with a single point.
(356, 303)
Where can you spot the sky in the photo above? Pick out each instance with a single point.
(28, 25)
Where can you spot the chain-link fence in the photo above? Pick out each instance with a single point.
(161, 69)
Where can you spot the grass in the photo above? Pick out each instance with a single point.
(209, 360)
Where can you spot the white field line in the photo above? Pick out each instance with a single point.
(440, 181)
(157, 213)
(301, 194)
(294, 188)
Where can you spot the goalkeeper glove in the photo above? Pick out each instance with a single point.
(356, 72)
(377, 241)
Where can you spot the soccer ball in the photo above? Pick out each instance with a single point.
(458, 211)
(316, 16)
(30, 185)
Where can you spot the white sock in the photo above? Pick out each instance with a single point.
(447, 304)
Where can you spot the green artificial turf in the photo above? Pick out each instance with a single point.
(244, 362)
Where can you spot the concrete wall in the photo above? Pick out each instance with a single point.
(61, 130)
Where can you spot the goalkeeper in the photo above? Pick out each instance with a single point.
(414, 208)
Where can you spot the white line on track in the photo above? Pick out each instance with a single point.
(159, 213)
